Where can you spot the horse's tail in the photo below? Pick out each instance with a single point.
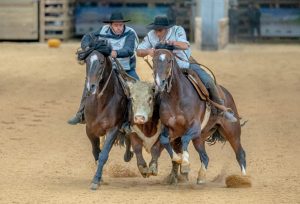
(123, 140)
(215, 137)
(120, 140)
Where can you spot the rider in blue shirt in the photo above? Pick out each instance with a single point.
(123, 40)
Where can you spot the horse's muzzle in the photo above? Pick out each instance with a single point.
(91, 89)
(162, 86)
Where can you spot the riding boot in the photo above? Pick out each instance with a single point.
(212, 89)
(228, 114)
(79, 116)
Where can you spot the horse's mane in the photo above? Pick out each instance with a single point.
(101, 45)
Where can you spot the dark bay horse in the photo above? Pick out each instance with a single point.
(183, 112)
(105, 109)
(145, 126)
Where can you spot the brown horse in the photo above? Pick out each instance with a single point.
(182, 113)
(105, 109)
(146, 126)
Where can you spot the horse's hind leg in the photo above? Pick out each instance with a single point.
(200, 147)
(232, 133)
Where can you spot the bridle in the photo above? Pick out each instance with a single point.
(100, 77)
(169, 76)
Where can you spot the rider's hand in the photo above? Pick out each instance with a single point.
(170, 42)
(151, 52)
(113, 54)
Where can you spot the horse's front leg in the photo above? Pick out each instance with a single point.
(165, 141)
(103, 156)
(137, 146)
(95, 141)
(174, 151)
(199, 145)
(193, 132)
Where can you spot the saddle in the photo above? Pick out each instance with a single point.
(123, 77)
(201, 89)
(197, 83)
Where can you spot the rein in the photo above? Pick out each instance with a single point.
(193, 61)
(170, 72)
(147, 61)
(106, 83)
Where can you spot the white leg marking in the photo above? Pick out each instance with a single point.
(201, 174)
(176, 158)
(185, 158)
(243, 171)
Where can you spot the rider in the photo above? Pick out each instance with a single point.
(163, 31)
(123, 40)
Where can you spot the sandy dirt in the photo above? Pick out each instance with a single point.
(45, 160)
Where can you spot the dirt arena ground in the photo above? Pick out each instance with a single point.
(45, 160)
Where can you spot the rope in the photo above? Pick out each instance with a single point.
(147, 61)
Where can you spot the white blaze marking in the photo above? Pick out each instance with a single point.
(162, 57)
(93, 58)
(157, 79)
(88, 85)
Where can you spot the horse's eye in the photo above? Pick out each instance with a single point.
(101, 62)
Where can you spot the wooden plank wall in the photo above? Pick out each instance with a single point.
(19, 20)
(56, 19)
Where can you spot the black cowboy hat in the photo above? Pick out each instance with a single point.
(160, 22)
(116, 17)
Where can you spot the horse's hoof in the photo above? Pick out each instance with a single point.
(183, 178)
(128, 156)
(200, 181)
(185, 168)
(144, 171)
(94, 186)
(153, 170)
(201, 176)
(171, 179)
